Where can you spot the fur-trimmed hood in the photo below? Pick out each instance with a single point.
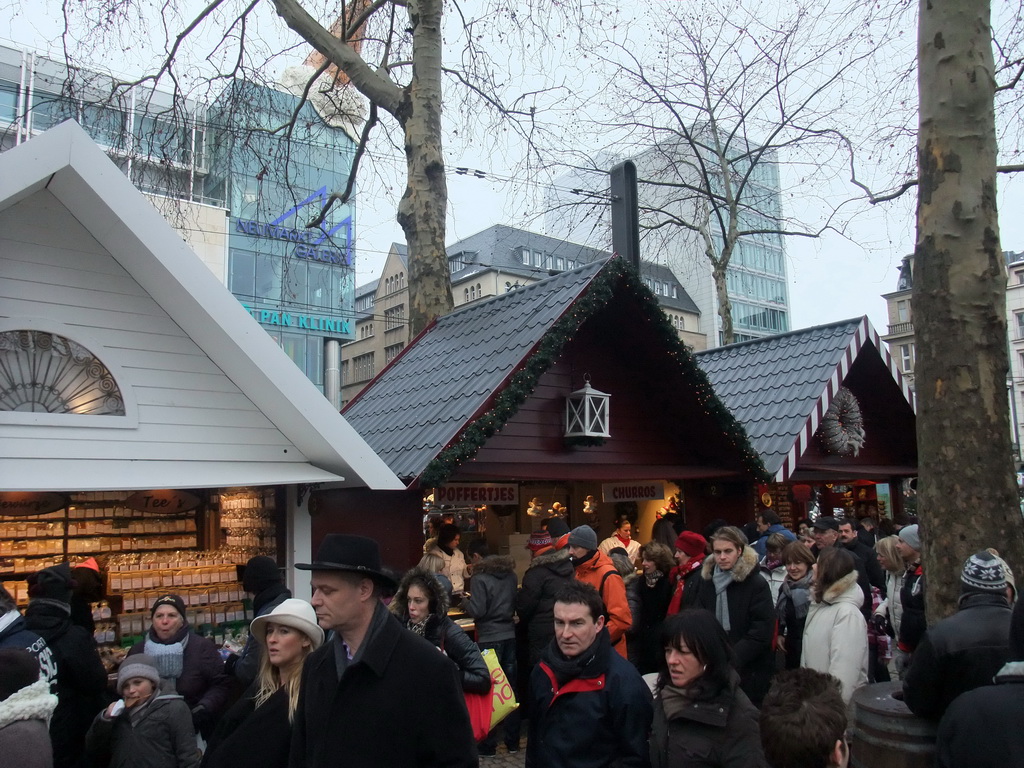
(33, 702)
(438, 594)
(746, 564)
(845, 590)
(551, 558)
(497, 565)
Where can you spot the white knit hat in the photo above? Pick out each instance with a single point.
(138, 665)
(294, 613)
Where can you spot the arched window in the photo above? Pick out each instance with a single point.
(42, 372)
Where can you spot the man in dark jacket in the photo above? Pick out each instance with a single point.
(589, 706)
(992, 713)
(853, 544)
(14, 633)
(492, 604)
(374, 674)
(826, 534)
(913, 623)
(263, 580)
(963, 651)
(549, 571)
(82, 683)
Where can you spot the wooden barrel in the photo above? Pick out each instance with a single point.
(888, 735)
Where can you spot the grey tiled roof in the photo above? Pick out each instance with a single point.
(772, 385)
(465, 356)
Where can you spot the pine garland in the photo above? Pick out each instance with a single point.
(522, 384)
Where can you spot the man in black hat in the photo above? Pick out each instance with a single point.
(826, 534)
(373, 674)
(262, 579)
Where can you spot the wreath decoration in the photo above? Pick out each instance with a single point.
(842, 427)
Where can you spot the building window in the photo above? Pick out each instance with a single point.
(346, 373)
(391, 352)
(363, 367)
(1020, 276)
(465, 296)
(366, 331)
(902, 311)
(456, 262)
(1019, 317)
(394, 317)
(907, 357)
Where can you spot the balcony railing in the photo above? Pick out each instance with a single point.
(901, 328)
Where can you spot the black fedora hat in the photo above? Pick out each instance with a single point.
(344, 552)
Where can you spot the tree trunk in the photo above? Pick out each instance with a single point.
(421, 212)
(724, 305)
(967, 490)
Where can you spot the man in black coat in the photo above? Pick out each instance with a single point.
(826, 534)
(992, 713)
(963, 651)
(374, 678)
(852, 543)
(262, 579)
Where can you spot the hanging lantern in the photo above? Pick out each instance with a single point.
(586, 412)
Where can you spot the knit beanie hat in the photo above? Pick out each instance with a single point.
(584, 537)
(911, 537)
(691, 544)
(983, 572)
(18, 669)
(260, 572)
(138, 665)
(539, 540)
(172, 600)
(53, 583)
(559, 531)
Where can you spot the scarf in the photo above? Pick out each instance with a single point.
(798, 593)
(169, 655)
(419, 628)
(447, 550)
(652, 578)
(722, 580)
(625, 540)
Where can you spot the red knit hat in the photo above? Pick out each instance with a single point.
(539, 540)
(692, 544)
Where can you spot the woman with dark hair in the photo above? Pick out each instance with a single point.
(650, 593)
(701, 715)
(422, 606)
(734, 591)
(835, 635)
(446, 546)
(622, 537)
(794, 600)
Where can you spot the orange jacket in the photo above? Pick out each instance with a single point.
(613, 592)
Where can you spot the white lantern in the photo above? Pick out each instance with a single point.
(586, 413)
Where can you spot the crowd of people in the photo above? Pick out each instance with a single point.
(723, 650)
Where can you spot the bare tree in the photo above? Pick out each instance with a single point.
(967, 490)
(707, 108)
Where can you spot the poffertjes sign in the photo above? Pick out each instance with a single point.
(462, 494)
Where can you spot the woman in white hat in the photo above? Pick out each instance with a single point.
(256, 732)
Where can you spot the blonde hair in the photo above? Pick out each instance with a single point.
(269, 677)
(431, 562)
(887, 547)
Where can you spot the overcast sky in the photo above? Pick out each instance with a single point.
(830, 278)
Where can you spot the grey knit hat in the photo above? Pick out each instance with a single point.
(584, 537)
(911, 537)
(138, 665)
(983, 572)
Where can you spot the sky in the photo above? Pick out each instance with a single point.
(830, 278)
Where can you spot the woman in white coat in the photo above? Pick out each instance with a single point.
(836, 635)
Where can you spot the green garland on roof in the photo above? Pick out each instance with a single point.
(507, 403)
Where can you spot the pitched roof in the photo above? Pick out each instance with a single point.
(424, 413)
(498, 247)
(779, 387)
(179, 300)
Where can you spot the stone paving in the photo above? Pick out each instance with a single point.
(505, 760)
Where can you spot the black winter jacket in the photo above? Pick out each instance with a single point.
(751, 620)
(444, 633)
(82, 682)
(247, 665)
(913, 624)
(597, 715)
(981, 728)
(873, 569)
(651, 605)
(400, 705)
(717, 732)
(960, 653)
(545, 577)
(251, 736)
(161, 737)
(492, 599)
(14, 633)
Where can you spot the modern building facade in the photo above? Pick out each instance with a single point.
(497, 260)
(240, 195)
(756, 281)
